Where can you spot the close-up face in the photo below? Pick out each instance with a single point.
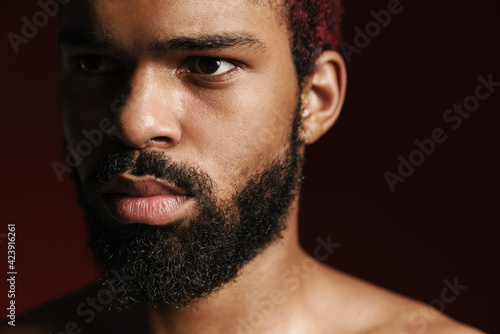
(212, 170)
(209, 83)
(192, 108)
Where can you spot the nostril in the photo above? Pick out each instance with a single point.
(161, 141)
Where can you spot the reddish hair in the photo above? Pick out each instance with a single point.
(315, 27)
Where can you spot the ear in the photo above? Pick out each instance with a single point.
(323, 97)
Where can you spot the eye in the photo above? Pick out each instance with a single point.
(94, 64)
(210, 66)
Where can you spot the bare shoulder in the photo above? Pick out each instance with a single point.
(57, 316)
(447, 326)
(84, 311)
(344, 304)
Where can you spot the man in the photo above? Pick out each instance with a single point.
(192, 199)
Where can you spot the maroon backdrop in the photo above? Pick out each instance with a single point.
(441, 223)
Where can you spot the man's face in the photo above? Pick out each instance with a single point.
(229, 125)
(207, 104)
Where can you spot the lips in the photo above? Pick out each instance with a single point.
(144, 200)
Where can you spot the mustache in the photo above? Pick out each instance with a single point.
(152, 163)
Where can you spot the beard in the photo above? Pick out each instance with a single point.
(180, 263)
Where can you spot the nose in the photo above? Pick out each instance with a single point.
(148, 117)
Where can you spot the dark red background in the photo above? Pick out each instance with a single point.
(440, 224)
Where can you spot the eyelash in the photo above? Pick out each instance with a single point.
(208, 77)
(77, 64)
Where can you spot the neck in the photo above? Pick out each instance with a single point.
(265, 291)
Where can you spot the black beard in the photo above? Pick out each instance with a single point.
(178, 264)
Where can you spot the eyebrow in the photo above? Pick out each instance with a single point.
(202, 42)
(209, 42)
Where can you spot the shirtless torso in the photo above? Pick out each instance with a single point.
(331, 302)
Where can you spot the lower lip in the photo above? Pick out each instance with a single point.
(151, 210)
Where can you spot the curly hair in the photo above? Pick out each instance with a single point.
(315, 26)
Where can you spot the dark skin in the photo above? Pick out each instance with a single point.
(230, 123)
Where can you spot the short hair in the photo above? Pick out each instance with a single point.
(316, 27)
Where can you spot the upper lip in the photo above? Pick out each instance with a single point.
(140, 187)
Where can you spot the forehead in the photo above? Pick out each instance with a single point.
(136, 22)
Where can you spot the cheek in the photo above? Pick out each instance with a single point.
(241, 130)
(85, 125)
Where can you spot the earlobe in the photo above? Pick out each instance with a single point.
(324, 96)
